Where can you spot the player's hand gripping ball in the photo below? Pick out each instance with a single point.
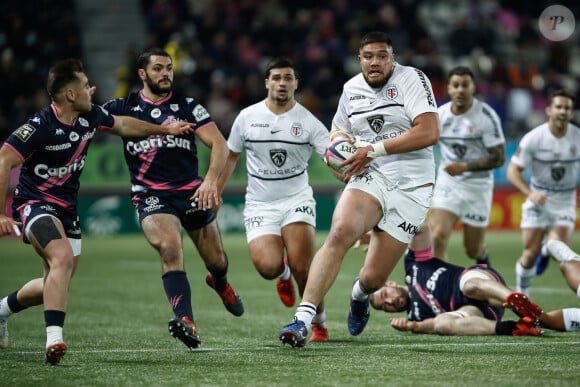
(338, 151)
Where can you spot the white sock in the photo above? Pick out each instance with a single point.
(357, 292)
(320, 318)
(571, 319)
(305, 313)
(544, 251)
(524, 278)
(578, 292)
(4, 308)
(286, 273)
(53, 334)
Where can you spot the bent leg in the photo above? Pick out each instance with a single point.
(482, 286)
(474, 242)
(356, 212)
(299, 240)
(208, 242)
(466, 321)
(571, 272)
(441, 223)
(48, 238)
(163, 232)
(267, 253)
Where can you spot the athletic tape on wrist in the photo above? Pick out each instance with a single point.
(378, 150)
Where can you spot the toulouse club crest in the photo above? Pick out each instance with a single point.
(296, 129)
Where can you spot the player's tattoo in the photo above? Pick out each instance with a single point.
(495, 159)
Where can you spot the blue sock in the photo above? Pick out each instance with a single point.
(54, 318)
(178, 293)
(13, 303)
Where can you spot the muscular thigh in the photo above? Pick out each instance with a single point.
(267, 250)
(441, 221)
(44, 223)
(162, 229)
(299, 240)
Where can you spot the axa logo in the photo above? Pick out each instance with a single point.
(476, 217)
(408, 228)
(305, 209)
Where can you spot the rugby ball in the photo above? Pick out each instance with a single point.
(338, 151)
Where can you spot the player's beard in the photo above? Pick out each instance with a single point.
(282, 100)
(376, 83)
(155, 88)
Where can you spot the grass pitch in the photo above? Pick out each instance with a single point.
(116, 329)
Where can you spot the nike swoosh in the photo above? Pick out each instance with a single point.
(275, 131)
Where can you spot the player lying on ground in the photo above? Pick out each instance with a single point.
(447, 299)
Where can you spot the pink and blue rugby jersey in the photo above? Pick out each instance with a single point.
(434, 288)
(53, 154)
(162, 162)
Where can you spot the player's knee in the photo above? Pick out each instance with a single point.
(474, 251)
(370, 283)
(268, 269)
(471, 287)
(439, 239)
(61, 260)
(171, 255)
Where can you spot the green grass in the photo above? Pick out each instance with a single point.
(116, 329)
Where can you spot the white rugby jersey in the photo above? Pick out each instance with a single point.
(467, 136)
(554, 162)
(278, 148)
(376, 114)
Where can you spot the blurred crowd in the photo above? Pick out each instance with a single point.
(220, 48)
(33, 34)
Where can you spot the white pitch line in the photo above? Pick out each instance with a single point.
(316, 347)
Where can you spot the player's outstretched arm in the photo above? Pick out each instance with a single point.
(126, 126)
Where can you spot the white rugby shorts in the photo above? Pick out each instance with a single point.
(404, 210)
(469, 200)
(553, 213)
(261, 218)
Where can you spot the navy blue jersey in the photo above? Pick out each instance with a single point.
(162, 162)
(434, 288)
(53, 154)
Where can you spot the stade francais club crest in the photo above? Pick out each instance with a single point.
(376, 123)
(278, 156)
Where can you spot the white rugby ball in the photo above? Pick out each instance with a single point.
(338, 151)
